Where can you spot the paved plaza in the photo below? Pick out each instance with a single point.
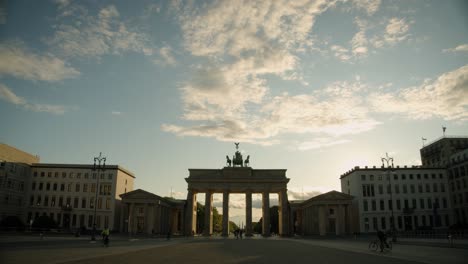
(216, 250)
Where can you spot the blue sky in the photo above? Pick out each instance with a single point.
(315, 87)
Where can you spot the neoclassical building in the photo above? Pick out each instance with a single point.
(331, 213)
(147, 213)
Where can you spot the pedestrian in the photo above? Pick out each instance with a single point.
(240, 233)
(383, 240)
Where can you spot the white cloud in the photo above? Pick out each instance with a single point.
(8, 95)
(459, 48)
(18, 61)
(370, 6)
(318, 143)
(116, 113)
(166, 57)
(93, 36)
(445, 97)
(396, 30)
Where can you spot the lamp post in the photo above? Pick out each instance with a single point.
(99, 166)
(389, 161)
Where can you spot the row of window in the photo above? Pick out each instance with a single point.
(457, 172)
(72, 175)
(402, 176)
(458, 198)
(458, 184)
(368, 189)
(73, 220)
(406, 222)
(9, 199)
(104, 188)
(67, 202)
(423, 204)
(11, 184)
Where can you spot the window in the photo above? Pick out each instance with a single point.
(74, 220)
(40, 186)
(52, 202)
(42, 174)
(411, 176)
(60, 203)
(69, 187)
(49, 174)
(382, 205)
(77, 187)
(102, 176)
(64, 174)
(46, 200)
(365, 206)
(383, 222)
(33, 186)
(86, 175)
(31, 200)
(374, 223)
(414, 203)
(62, 187)
(441, 176)
(400, 223)
(38, 202)
(429, 203)
(78, 175)
(380, 177)
(374, 205)
(420, 188)
(405, 188)
(426, 176)
(444, 202)
(83, 203)
(403, 176)
(68, 202)
(434, 187)
(108, 202)
(35, 174)
(85, 187)
(71, 175)
(433, 176)
(390, 205)
(91, 203)
(368, 190)
(48, 186)
(380, 189)
(395, 177)
(428, 187)
(109, 176)
(412, 189)
(90, 221)
(418, 176)
(423, 220)
(371, 177)
(99, 203)
(94, 176)
(55, 187)
(331, 211)
(75, 202)
(397, 188)
(56, 174)
(406, 203)
(421, 203)
(93, 188)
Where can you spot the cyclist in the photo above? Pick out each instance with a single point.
(105, 236)
(383, 240)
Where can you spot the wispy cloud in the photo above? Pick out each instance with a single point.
(7, 95)
(91, 36)
(445, 97)
(3, 13)
(318, 143)
(20, 62)
(116, 113)
(370, 6)
(396, 30)
(459, 48)
(165, 56)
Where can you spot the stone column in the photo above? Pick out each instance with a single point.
(158, 218)
(225, 213)
(248, 213)
(188, 214)
(208, 214)
(130, 218)
(322, 218)
(122, 212)
(150, 219)
(266, 214)
(283, 217)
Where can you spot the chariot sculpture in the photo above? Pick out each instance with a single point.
(237, 160)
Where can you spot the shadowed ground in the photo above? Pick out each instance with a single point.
(245, 251)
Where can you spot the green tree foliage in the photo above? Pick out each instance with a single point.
(232, 226)
(274, 218)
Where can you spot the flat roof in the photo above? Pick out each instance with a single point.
(414, 167)
(80, 166)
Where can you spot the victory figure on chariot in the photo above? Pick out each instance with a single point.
(237, 160)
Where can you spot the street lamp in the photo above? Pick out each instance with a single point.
(389, 161)
(97, 167)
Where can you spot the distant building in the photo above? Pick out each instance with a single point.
(64, 192)
(439, 152)
(419, 197)
(14, 176)
(457, 176)
(331, 213)
(147, 213)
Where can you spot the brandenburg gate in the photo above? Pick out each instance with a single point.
(237, 177)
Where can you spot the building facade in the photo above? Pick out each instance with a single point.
(439, 152)
(458, 178)
(331, 213)
(419, 197)
(72, 193)
(14, 175)
(147, 213)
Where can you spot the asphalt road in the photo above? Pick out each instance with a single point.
(51, 250)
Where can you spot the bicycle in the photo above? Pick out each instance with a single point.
(105, 241)
(375, 244)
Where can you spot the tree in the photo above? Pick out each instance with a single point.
(232, 226)
(257, 228)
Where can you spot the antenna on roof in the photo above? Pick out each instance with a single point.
(443, 130)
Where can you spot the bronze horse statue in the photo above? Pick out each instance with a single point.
(247, 162)
(228, 161)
